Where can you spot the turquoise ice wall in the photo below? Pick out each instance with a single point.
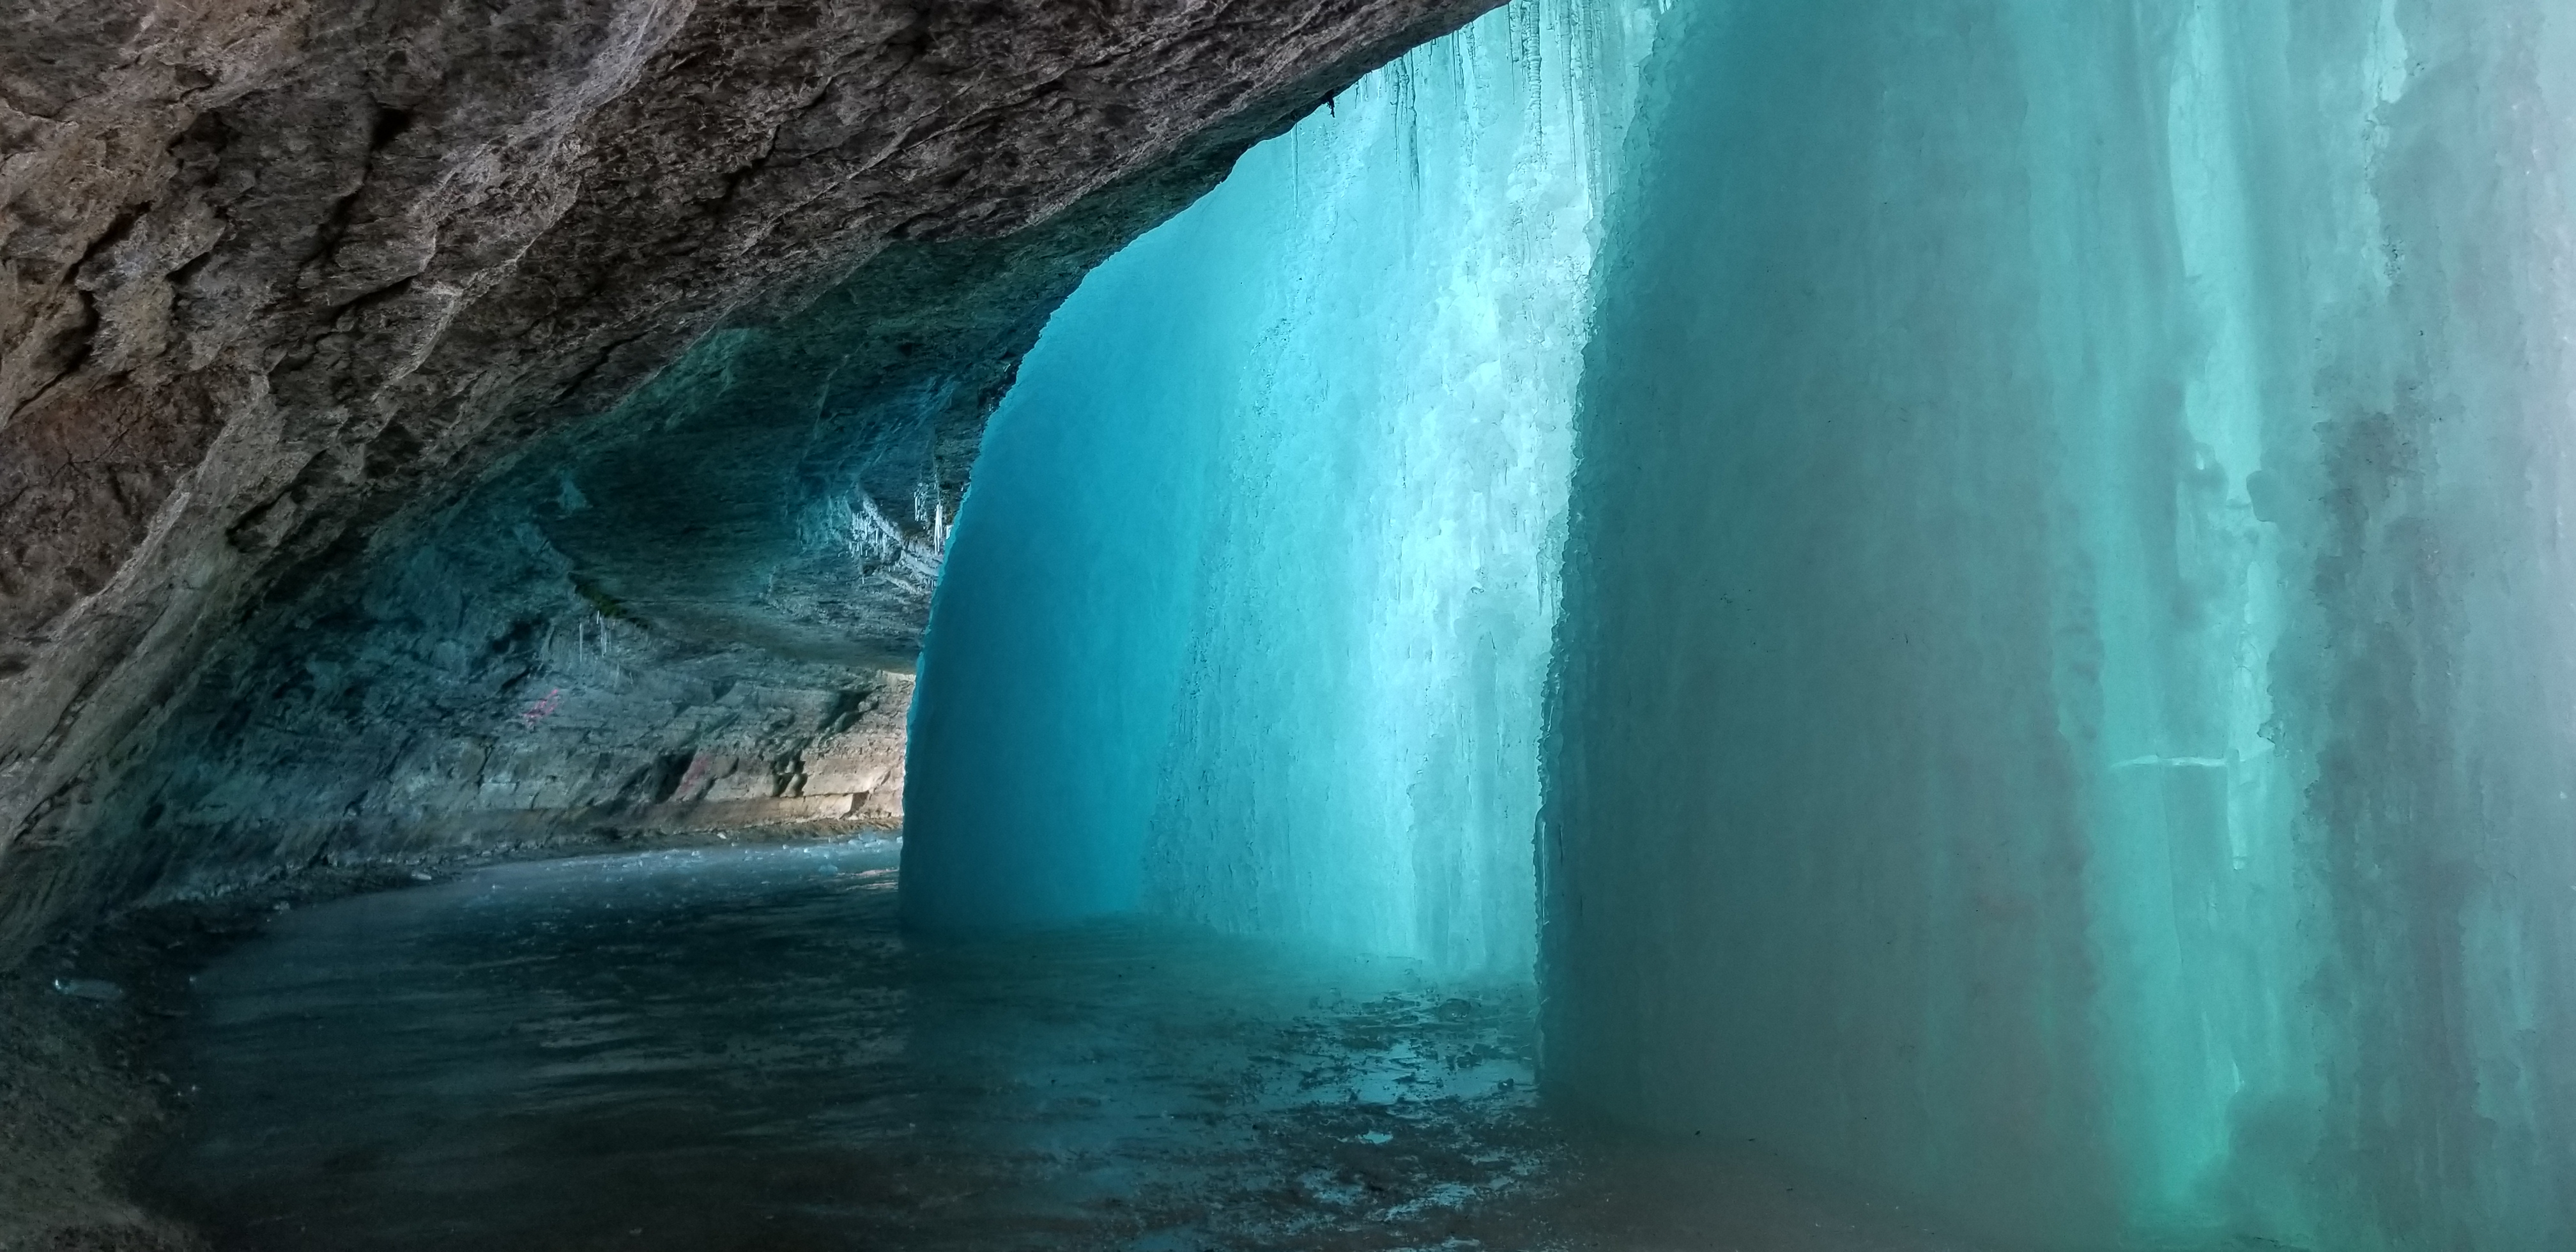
(2066, 706)
(1246, 617)
(2064, 698)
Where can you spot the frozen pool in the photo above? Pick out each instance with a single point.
(739, 1049)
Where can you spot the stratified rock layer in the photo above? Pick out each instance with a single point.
(327, 449)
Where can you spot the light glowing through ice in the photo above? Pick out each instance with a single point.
(1246, 616)
(2064, 670)
(2067, 632)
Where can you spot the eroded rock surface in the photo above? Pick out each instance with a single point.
(340, 424)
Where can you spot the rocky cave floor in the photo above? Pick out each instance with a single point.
(735, 1046)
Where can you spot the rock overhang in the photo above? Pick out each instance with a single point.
(358, 362)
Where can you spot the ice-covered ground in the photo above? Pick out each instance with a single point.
(739, 1049)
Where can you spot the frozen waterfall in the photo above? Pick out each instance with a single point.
(1246, 616)
(2063, 700)
(2068, 703)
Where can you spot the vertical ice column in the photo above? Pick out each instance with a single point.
(1246, 618)
(2066, 706)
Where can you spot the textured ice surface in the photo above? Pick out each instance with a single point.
(2067, 702)
(1246, 616)
(2069, 646)
(736, 1049)
(739, 1050)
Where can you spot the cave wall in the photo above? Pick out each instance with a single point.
(326, 332)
